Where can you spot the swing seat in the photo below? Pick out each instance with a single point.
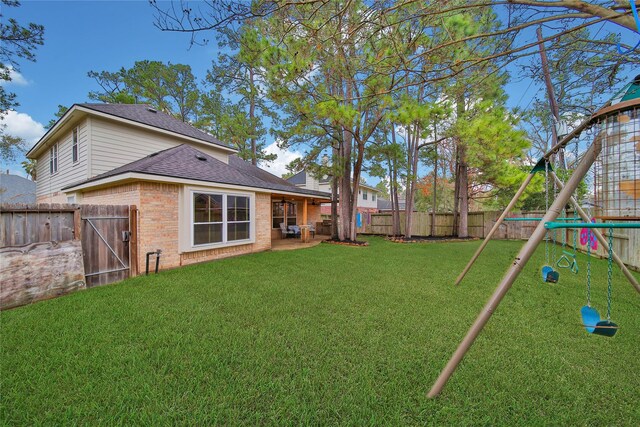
(593, 324)
(549, 275)
(606, 328)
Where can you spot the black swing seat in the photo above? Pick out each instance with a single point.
(549, 275)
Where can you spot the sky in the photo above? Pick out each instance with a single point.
(81, 36)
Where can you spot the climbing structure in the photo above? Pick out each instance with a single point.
(614, 152)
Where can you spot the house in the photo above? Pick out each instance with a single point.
(367, 195)
(16, 189)
(196, 199)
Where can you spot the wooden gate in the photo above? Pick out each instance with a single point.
(107, 242)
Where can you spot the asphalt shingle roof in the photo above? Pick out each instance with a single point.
(144, 114)
(187, 162)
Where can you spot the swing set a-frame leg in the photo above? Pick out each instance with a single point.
(518, 264)
(495, 227)
(600, 237)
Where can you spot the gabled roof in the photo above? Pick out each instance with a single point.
(16, 189)
(134, 114)
(298, 179)
(186, 162)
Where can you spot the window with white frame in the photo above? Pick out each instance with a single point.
(53, 159)
(220, 218)
(373, 197)
(74, 145)
(364, 195)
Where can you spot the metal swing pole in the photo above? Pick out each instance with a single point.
(520, 261)
(600, 237)
(495, 227)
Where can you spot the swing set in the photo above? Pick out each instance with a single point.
(614, 153)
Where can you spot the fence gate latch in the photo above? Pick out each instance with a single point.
(126, 235)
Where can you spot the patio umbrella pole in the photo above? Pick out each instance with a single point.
(495, 227)
(520, 261)
(599, 236)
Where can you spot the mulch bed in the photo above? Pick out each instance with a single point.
(422, 239)
(346, 242)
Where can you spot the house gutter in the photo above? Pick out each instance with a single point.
(134, 176)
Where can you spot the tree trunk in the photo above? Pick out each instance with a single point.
(412, 176)
(434, 203)
(346, 194)
(334, 199)
(252, 114)
(456, 191)
(393, 189)
(463, 193)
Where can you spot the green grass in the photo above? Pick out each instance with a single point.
(328, 335)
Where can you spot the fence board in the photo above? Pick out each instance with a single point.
(626, 242)
(103, 266)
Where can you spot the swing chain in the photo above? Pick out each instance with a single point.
(555, 232)
(609, 274)
(546, 203)
(589, 267)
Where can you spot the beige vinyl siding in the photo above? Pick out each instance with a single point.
(116, 144)
(68, 172)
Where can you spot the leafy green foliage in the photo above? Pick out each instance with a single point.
(171, 88)
(17, 42)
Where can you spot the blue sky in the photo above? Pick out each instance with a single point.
(97, 35)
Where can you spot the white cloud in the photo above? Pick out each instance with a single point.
(16, 78)
(23, 126)
(278, 167)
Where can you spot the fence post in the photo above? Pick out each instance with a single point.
(77, 225)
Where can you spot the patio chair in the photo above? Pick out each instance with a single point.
(296, 230)
(312, 230)
(286, 232)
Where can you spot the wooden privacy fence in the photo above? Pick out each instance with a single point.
(626, 242)
(39, 243)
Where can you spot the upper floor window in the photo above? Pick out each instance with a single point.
(373, 197)
(74, 145)
(364, 195)
(53, 159)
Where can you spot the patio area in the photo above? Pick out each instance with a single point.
(296, 243)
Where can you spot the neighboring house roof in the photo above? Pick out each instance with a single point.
(298, 179)
(301, 178)
(136, 114)
(186, 162)
(16, 189)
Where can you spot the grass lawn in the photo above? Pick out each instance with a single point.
(327, 335)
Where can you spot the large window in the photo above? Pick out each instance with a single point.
(364, 195)
(220, 218)
(53, 159)
(286, 212)
(74, 145)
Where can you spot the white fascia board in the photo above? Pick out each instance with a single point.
(41, 144)
(134, 176)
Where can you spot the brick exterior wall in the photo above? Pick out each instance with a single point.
(158, 222)
(57, 197)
